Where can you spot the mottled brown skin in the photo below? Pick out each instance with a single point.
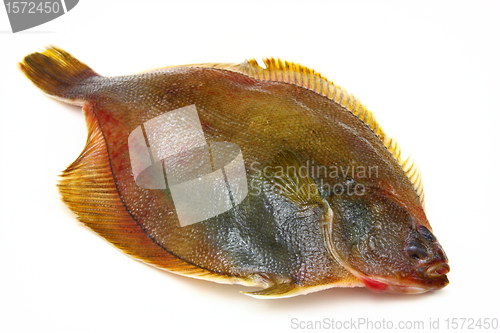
(268, 235)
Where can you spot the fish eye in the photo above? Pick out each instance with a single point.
(417, 251)
(426, 233)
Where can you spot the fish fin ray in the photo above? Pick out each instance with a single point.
(88, 188)
(281, 290)
(55, 72)
(286, 176)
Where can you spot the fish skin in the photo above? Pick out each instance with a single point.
(290, 244)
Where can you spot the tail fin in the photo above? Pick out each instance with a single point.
(56, 72)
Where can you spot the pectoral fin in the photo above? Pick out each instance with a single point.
(288, 177)
(282, 290)
(300, 203)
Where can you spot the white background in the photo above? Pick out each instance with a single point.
(429, 70)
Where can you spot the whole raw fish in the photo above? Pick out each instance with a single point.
(235, 173)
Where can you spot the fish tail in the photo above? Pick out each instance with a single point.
(57, 73)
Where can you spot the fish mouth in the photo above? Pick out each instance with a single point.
(434, 270)
(426, 278)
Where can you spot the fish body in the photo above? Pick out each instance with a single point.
(271, 177)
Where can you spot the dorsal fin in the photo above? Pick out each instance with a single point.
(293, 73)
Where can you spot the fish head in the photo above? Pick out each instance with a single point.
(384, 245)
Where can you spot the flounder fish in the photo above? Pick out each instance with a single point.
(268, 176)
